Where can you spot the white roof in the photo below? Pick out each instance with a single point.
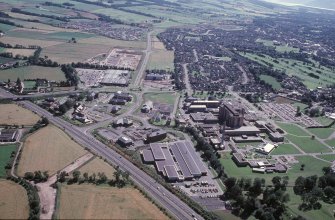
(268, 148)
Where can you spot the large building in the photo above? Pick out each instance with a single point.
(232, 117)
(8, 135)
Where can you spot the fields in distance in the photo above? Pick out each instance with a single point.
(48, 149)
(13, 114)
(13, 201)
(97, 166)
(98, 202)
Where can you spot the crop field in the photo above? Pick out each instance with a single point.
(97, 166)
(27, 42)
(313, 166)
(125, 16)
(68, 52)
(307, 144)
(32, 72)
(298, 69)
(5, 153)
(13, 200)
(48, 149)
(113, 42)
(168, 98)
(98, 202)
(161, 59)
(13, 114)
(271, 81)
(283, 149)
(6, 27)
(24, 52)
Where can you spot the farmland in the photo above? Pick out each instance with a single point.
(98, 166)
(113, 42)
(13, 114)
(13, 200)
(5, 153)
(32, 72)
(24, 52)
(92, 202)
(48, 149)
(26, 41)
(161, 59)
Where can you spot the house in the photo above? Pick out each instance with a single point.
(115, 109)
(122, 95)
(155, 136)
(116, 101)
(124, 141)
(123, 122)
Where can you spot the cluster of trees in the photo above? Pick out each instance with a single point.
(70, 74)
(33, 198)
(63, 5)
(37, 176)
(18, 46)
(66, 106)
(246, 199)
(41, 123)
(35, 59)
(3, 21)
(121, 178)
(312, 189)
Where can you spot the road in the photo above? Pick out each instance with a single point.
(162, 196)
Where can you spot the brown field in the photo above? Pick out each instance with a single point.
(13, 114)
(114, 43)
(24, 52)
(97, 166)
(48, 149)
(95, 202)
(158, 44)
(13, 201)
(68, 52)
(22, 16)
(161, 59)
(26, 41)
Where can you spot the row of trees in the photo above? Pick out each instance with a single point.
(70, 74)
(37, 176)
(18, 10)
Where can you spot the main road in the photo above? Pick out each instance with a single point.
(162, 196)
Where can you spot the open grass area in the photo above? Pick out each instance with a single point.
(285, 149)
(98, 202)
(329, 157)
(161, 59)
(13, 114)
(313, 166)
(324, 120)
(271, 81)
(5, 153)
(322, 133)
(24, 52)
(48, 149)
(307, 144)
(33, 72)
(225, 214)
(69, 52)
(331, 142)
(13, 201)
(97, 166)
(26, 41)
(168, 98)
(281, 48)
(113, 42)
(292, 129)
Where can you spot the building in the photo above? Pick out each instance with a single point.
(124, 141)
(123, 122)
(115, 101)
(266, 149)
(147, 107)
(276, 137)
(8, 135)
(155, 136)
(115, 109)
(231, 116)
(245, 130)
(176, 161)
(122, 95)
(208, 103)
(197, 108)
(153, 76)
(204, 117)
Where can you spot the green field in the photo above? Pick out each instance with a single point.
(280, 49)
(5, 153)
(292, 129)
(329, 157)
(324, 120)
(168, 98)
(285, 149)
(271, 81)
(322, 133)
(6, 27)
(331, 142)
(161, 59)
(32, 72)
(307, 144)
(29, 84)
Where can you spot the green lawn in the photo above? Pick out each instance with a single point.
(161, 59)
(322, 133)
(29, 84)
(307, 144)
(292, 129)
(324, 120)
(285, 149)
(271, 81)
(301, 105)
(5, 152)
(168, 98)
(329, 157)
(254, 144)
(331, 142)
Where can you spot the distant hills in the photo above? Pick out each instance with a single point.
(327, 4)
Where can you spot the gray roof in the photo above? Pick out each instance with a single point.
(148, 156)
(157, 151)
(171, 171)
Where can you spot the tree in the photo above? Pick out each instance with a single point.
(75, 175)
(298, 113)
(302, 167)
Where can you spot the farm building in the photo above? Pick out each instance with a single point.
(8, 135)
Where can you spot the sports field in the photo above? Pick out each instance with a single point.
(13, 201)
(5, 153)
(33, 72)
(48, 149)
(13, 114)
(97, 166)
(97, 202)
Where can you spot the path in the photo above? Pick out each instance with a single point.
(187, 80)
(47, 193)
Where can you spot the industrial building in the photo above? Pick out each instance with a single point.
(176, 161)
(8, 135)
(207, 103)
(230, 116)
(124, 141)
(155, 136)
(204, 117)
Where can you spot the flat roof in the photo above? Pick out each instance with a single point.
(171, 171)
(244, 129)
(198, 106)
(148, 156)
(157, 151)
(267, 148)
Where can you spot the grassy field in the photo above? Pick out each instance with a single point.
(271, 81)
(24, 52)
(331, 142)
(281, 49)
(329, 157)
(98, 166)
(32, 72)
(49, 149)
(161, 59)
(13, 114)
(113, 42)
(68, 52)
(285, 149)
(292, 129)
(13, 201)
(307, 144)
(92, 202)
(5, 153)
(322, 133)
(168, 98)
(26, 41)
(313, 166)
(6, 27)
